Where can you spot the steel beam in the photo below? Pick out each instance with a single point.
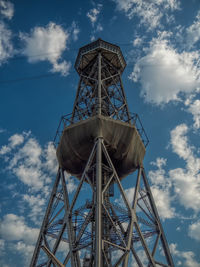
(98, 205)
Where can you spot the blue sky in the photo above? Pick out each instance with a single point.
(39, 42)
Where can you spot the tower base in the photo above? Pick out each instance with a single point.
(100, 223)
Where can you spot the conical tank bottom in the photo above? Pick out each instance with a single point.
(122, 141)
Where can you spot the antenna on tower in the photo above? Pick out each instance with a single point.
(100, 144)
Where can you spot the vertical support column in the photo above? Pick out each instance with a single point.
(133, 219)
(70, 230)
(99, 84)
(98, 249)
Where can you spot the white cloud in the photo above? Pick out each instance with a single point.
(31, 164)
(130, 194)
(187, 258)
(161, 186)
(193, 32)
(158, 177)
(36, 168)
(30, 153)
(6, 9)
(14, 140)
(93, 13)
(149, 12)
(179, 141)
(194, 109)
(6, 47)
(25, 250)
(186, 181)
(4, 150)
(18, 237)
(186, 186)
(47, 44)
(163, 202)
(30, 176)
(51, 159)
(194, 230)
(164, 73)
(36, 204)
(13, 228)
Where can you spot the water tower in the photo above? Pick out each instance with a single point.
(94, 221)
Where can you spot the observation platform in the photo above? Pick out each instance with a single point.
(90, 51)
(126, 143)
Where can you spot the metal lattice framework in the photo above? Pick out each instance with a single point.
(113, 100)
(99, 223)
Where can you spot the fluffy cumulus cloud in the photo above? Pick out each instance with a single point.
(185, 258)
(186, 180)
(6, 9)
(163, 199)
(161, 186)
(36, 204)
(149, 12)
(6, 47)
(47, 44)
(35, 167)
(181, 184)
(51, 161)
(179, 141)
(194, 230)
(164, 73)
(14, 141)
(29, 162)
(14, 228)
(18, 235)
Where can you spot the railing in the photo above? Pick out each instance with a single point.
(135, 120)
(66, 120)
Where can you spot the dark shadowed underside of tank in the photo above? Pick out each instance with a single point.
(122, 140)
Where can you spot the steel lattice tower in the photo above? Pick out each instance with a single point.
(100, 144)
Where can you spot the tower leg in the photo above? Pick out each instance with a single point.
(56, 226)
(98, 249)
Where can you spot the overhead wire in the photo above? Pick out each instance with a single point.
(28, 78)
(48, 74)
